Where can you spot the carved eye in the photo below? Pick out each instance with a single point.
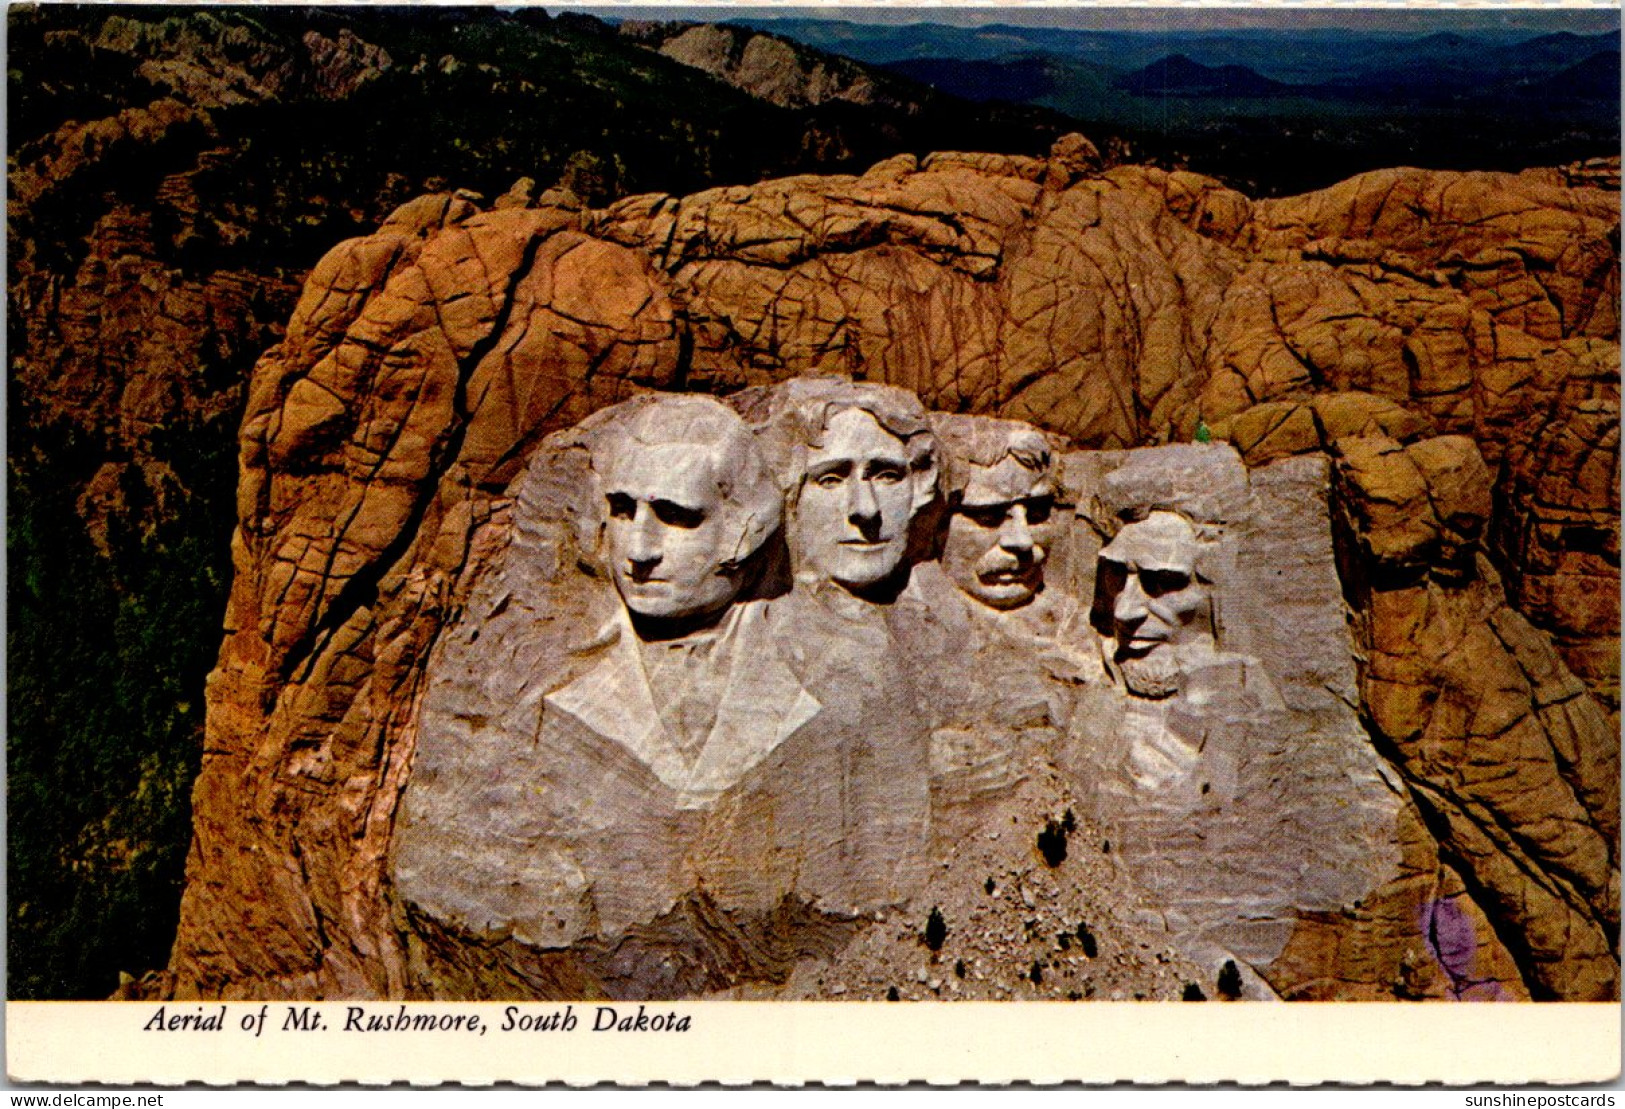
(833, 476)
(887, 473)
(621, 506)
(1039, 509)
(677, 515)
(985, 515)
(1158, 583)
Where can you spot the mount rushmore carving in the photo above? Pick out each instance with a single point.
(748, 673)
(928, 702)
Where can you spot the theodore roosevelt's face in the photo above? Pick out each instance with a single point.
(857, 499)
(1159, 601)
(1000, 533)
(668, 535)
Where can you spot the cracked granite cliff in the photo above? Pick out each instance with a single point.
(686, 540)
(983, 577)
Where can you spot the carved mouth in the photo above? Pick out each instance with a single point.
(1139, 645)
(1006, 577)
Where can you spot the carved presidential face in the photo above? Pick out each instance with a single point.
(1158, 602)
(856, 502)
(1000, 534)
(670, 543)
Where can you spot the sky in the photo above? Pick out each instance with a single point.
(1389, 17)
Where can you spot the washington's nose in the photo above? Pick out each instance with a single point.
(1014, 534)
(643, 540)
(1130, 608)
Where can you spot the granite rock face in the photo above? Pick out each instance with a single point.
(395, 456)
(602, 801)
(1514, 765)
(765, 66)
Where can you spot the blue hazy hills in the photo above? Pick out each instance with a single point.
(1281, 108)
(1290, 56)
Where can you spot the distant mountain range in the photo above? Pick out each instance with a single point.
(1596, 78)
(1177, 75)
(1279, 110)
(1453, 72)
(1290, 56)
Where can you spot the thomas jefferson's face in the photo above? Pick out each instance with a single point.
(1000, 534)
(856, 502)
(1159, 602)
(667, 533)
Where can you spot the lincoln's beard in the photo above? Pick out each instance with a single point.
(1154, 676)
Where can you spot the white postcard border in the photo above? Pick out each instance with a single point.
(127, 1043)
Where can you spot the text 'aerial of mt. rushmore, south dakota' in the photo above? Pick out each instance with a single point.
(813, 508)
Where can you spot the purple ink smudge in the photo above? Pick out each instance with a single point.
(1453, 942)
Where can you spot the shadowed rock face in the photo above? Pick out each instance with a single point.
(767, 66)
(1513, 764)
(1397, 320)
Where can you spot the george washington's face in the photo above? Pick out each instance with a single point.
(856, 501)
(1000, 533)
(669, 540)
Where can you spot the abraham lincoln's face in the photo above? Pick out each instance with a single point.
(1157, 602)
